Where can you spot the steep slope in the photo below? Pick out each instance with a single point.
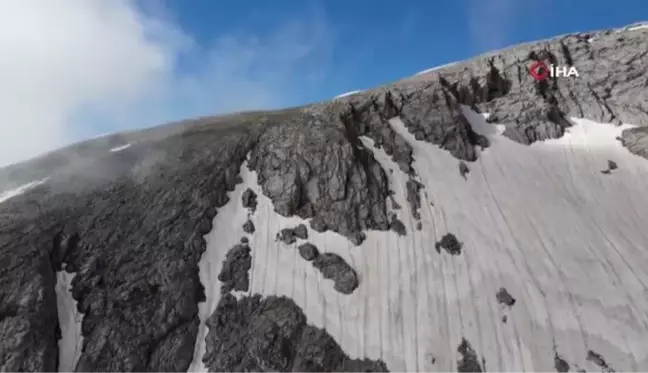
(432, 238)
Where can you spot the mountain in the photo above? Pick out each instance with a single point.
(467, 218)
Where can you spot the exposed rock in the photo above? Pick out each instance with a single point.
(463, 169)
(235, 272)
(560, 364)
(287, 236)
(419, 225)
(272, 334)
(599, 360)
(244, 240)
(397, 226)
(301, 231)
(248, 227)
(414, 197)
(612, 165)
(315, 167)
(394, 204)
(308, 251)
(636, 140)
(450, 244)
(334, 267)
(249, 199)
(469, 361)
(505, 298)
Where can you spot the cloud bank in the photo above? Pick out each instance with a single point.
(72, 69)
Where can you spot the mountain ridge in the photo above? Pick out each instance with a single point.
(131, 224)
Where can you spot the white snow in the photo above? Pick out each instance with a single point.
(638, 27)
(118, 148)
(347, 94)
(70, 319)
(568, 242)
(20, 190)
(435, 68)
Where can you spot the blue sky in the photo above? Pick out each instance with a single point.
(101, 66)
(365, 43)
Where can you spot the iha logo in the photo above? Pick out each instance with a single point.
(540, 71)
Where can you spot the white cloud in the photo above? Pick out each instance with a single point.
(77, 68)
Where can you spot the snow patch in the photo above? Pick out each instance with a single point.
(119, 148)
(435, 68)
(638, 27)
(20, 190)
(347, 94)
(70, 320)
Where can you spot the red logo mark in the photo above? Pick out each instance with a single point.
(539, 71)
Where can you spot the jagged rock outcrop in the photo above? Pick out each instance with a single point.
(235, 271)
(272, 334)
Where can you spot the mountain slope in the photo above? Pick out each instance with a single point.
(439, 240)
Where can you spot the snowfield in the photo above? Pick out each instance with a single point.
(20, 190)
(119, 148)
(70, 321)
(565, 239)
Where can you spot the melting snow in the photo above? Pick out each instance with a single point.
(122, 147)
(70, 320)
(20, 190)
(567, 241)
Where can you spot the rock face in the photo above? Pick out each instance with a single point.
(234, 274)
(308, 251)
(130, 224)
(272, 334)
(334, 267)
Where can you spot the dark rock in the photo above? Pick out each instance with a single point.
(468, 361)
(301, 231)
(463, 169)
(450, 244)
(248, 227)
(397, 226)
(308, 251)
(414, 197)
(272, 334)
(287, 236)
(249, 199)
(334, 267)
(599, 360)
(244, 240)
(636, 140)
(560, 364)
(358, 238)
(235, 272)
(394, 204)
(505, 298)
(504, 319)
(612, 165)
(606, 172)
(313, 166)
(419, 226)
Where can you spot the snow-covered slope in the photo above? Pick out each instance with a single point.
(566, 241)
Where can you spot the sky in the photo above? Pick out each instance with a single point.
(76, 69)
